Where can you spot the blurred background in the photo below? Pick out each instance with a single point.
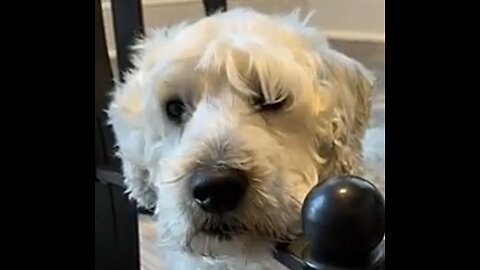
(344, 20)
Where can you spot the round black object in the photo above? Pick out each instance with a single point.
(343, 220)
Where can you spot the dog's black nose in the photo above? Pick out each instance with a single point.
(219, 191)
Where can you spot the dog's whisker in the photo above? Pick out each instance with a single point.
(174, 179)
(205, 247)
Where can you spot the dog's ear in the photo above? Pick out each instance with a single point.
(351, 86)
(125, 117)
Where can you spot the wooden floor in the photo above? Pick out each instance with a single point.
(147, 244)
(371, 55)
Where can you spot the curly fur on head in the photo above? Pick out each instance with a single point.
(262, 94)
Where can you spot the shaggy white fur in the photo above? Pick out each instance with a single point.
(259, 93)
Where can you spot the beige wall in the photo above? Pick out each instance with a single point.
(345, 19)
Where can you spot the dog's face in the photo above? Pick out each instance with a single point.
(227, 123)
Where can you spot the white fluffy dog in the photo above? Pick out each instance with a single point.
(225, 124)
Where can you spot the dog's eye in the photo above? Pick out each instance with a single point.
(273, 106)
(175, 109)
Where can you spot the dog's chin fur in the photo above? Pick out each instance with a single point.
(228, 69)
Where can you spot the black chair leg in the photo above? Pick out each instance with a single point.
(214, 6)
(116, 223)
(128, 25)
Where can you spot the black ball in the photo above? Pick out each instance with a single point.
(343, 218)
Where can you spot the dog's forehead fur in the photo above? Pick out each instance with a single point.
(216, 66)
(239, 28)
(243, 47)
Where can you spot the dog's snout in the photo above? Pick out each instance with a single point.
(219, 191)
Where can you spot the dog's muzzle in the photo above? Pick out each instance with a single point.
(218, 191)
